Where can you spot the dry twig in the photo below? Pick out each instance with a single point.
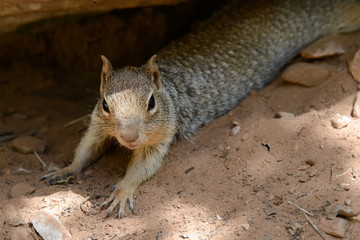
(313, 225)
(42, 162)
(76, 120)
(301, 208)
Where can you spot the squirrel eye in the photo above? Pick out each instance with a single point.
(151, 103)
(105, 106)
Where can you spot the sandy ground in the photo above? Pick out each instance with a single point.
(216, 186)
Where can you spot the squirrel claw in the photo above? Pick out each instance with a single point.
(59, 177)
(119, 197)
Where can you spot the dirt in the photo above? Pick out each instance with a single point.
(216, 186)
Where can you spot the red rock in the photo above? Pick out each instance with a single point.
(28, 144)
(305, 74)
(21, 189)
(334, 227)
(324, 47)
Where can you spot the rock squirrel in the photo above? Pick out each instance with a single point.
(197, 79)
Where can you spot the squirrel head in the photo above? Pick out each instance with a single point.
(132, 106)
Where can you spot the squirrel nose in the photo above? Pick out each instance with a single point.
(129, 135)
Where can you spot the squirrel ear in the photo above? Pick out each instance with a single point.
(106, 72)
(154, 71)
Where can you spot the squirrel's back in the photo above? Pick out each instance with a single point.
(242, 48)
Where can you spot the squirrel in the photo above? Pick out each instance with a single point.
(196, 79)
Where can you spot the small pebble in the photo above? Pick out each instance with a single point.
(323, 47)
(354, 66)
(311, 162)
(48, 226)
(303, 168)
(21, 189)
(284, 115)
(245, 226)
(345, 186)
(235, 129)
(339, 121)
(334, 227)
(277, 200)
(270, 211)
(16, 221)
(305, 74)
(348, 202)
(28, 144)
(340, 211)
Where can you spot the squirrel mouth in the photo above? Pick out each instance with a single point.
(131, 145)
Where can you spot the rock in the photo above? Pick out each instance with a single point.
(21, 189)
(341, 211)
(20, 233)
(16, 222)
(49, 227)
(339, 121)
(354, 66)
(323, 47)
(235, 129)
(303, 168)
(277, 200)
(345, 186)
(28, 144)
(311, 162)
(295, 229)
(356, 107)
(270, 211)
(7, 135)
(334, 227)
(245, 226)
(348, 202)
(285, 115)
(305, 74)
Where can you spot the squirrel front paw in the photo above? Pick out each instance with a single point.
(122, 194)
(61, 176)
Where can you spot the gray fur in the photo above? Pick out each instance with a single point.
(241, 49)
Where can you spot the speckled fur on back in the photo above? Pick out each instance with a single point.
(242, 48)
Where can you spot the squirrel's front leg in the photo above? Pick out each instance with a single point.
(145, 162)
(90, 148)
